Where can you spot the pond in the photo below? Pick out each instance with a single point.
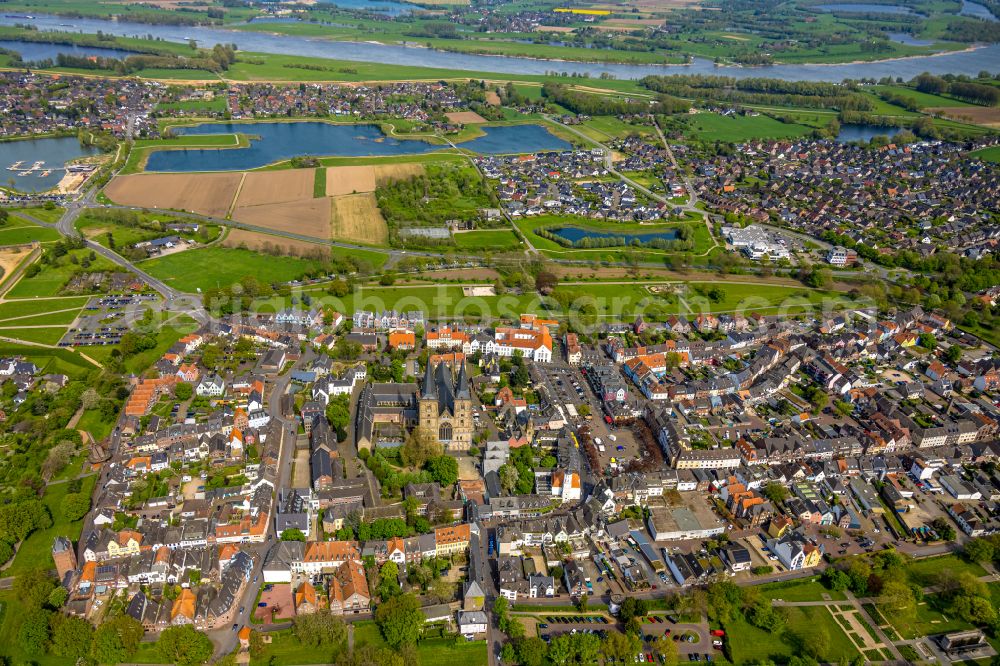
(53, 153)
(36, 51)
(863, 8)
(969, 62)
(908, 39)
(976, 10)
(576, 234)
(860, 132)
(516, 139)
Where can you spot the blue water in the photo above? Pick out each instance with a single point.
(850, 133)
(516, 139)
(977, 10)
(574, 234)
(863, 8)
(34, 51)
(54, 151)
(962, 62)
(376, 6)
(283, 140)
(909, 40)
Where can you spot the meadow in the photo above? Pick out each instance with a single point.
(211, 267)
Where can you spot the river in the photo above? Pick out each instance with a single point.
(963, 62)
(35, 51)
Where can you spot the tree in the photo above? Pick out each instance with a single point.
(975, 610)
(582, 602)
(400, 620)
(57, 597)
(116, 640)
(71, 637)
(943, 528)
(74, 506)
(775, 492)
(184, 645)
(58, 457)
(545, 282)
(928, 341)
(667, 650)
(620, 647)
(33, 635)
(531, 651)
(583, 410)
(293, 534)
(979, 550)
(33, 588)
(443, 469)
(321, 629)
(338, 412)
(508, 477)
(183, 391)
(897, 600)
(388, 576)
(420, 447)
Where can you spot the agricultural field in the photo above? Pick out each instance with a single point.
(270, 244)
(357, 218)
(922, 99)
(270, 187)
(365, 178)
(988, 116)
(205, 193)
(308, 217)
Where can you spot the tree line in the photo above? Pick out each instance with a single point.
(598, 105)
(803, 94)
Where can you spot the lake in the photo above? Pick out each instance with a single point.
(35, 51)
(908, 39)
(460, 64)
(850, 132)
(55, 152)
(576, 234)
(862, 8)
(977, 10)
(277, 141)
(515, 139)
(280, 141)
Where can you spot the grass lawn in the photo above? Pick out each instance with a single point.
(799, 590)
(923, 100)
(51, 279)
(19, 231)
(930, 619)
(487, 239)
(49, 335)
(50, 215)
(211, 267)
(94, 423)
(11, 613)
(28, 307)
(98, 230)
(748, 643)
(603, 128)
(991, 154)
(714, 127)
(166, 336)
(35, 551)
(922, 572)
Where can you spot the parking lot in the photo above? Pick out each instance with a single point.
(105, 319)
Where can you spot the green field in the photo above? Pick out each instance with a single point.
(991, 154)
(29, 308)
(487, 239)
(211, 267)
(799, 590)
(923, 100)
(36, 550)
(748, 643)
(49, 335)
(735, 129)
(286, 650)
(51, 279)
(124, 236)
(18, 232)
(50, 215)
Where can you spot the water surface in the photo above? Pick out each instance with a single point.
(976, 10)
(908, 39)
(963, 62)
(54, 152)
(36, 51)
(576, 234)
(864, 8)
(516, 139)
(859, 132)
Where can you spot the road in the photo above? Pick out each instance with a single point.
(225, 639)
(692, 194)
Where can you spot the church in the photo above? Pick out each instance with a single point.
(446, 406)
